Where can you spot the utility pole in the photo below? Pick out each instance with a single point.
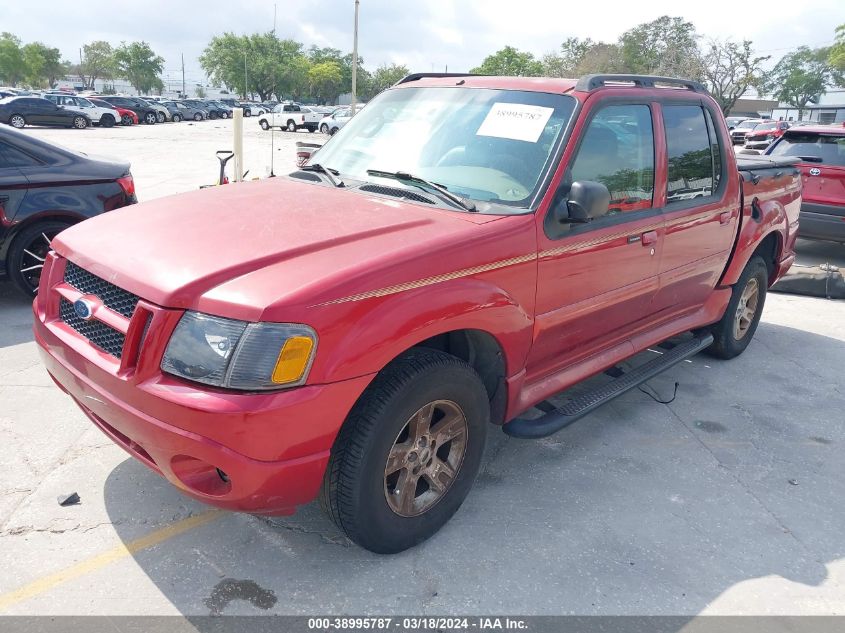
(274, 18)
(355, 61)
(183, 76)
(246, 82)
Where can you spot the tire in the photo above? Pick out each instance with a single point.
(359, 493)
(27, 252)
(177, 118)
(126, 120)
(247, 112)
(291, 126)
(737, 327)
(264, 125)
(17, 121)
(324, 128)
(80, 122)
(197, 116)
(150, 118)
(160, 117)
(333, 131)
(107, 120)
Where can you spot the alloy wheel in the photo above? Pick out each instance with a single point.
(746, 309)
(34, 255)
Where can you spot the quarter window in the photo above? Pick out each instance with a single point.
(617, 150)
(691, 154)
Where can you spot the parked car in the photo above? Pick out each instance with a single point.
(290, 117)
(125, 116)
(21, 111)
(99, 115)
(739, 132)
(253, 109)
(360, 342)
(226, 109)
(43, 190)
(764, 133)
(821, 152)
(733, 121)
(144, 110)
(214, 111)
(180, 111)
(162, 113)
(331, 123)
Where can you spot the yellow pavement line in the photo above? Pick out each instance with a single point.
(94, 563)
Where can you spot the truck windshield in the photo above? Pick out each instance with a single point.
(482, 144)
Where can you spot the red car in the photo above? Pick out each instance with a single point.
(464, 249)
(821, 150)
(764, 133)
(124, 115)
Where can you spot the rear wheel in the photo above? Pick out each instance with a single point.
(177, 118)
(160, 117)
(324, 128)
(17, 120)
(107, 120)
(27, 254)
(197, 117)
(736, 329)
(247, 112)
(408, 453)
(150, 118)
(264, 125)
(126, 120)
(291, 126)
(80, 122)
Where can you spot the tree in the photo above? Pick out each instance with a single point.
(666, 46)
(43, 65)
(97, 63)
(325, 79)
(384, 77)
(837, 52)
(12, 67)
(729, 69)
(137, 63)
(510, 61)
(581, 57)
(800, 77)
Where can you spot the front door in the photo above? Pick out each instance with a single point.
(596, 280)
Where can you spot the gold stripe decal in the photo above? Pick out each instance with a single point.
(428, 281)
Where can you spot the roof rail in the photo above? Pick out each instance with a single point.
(417, 76)
(591, 82)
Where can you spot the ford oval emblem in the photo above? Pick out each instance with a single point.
(815, 171)
(83, 309)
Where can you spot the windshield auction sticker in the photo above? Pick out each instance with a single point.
(515, 121)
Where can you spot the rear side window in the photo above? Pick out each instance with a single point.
(690, 154)
(617, 150)
(812, 147)
(715, 150)
(13, 157)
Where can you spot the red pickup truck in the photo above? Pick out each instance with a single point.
(464, 249)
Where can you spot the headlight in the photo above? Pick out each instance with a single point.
(239, 355)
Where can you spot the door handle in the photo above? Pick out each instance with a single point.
(725, 218)
(648, 238)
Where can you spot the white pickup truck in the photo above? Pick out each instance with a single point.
(290, 117)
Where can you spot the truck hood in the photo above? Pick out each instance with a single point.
(299, 236)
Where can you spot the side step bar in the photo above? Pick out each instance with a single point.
(556, 419)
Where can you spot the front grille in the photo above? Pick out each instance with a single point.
(107, 339)
(396, 192)
(114, 298)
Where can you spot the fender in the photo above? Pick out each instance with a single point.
(763, 214)
(365, 336)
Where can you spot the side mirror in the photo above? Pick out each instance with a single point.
(587, 200)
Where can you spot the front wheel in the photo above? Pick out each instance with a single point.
(80, 122)
(17, 121)
(150, 118)
(160, 117)
(291, 126)
(247, 112)
(107, 120)
(324, 128)
(737, 327)
(197, 116)
(126, 120)
(177, 118)
(264, 125)
(408, 453)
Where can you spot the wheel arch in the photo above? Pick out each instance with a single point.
(46, 216)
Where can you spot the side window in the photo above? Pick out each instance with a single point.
(617, 150)
(715, 150)
(13, 157)
(690, 154)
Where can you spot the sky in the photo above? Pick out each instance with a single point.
(424, 35)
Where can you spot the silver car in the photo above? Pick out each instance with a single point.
(180, 111)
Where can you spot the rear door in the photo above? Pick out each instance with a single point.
(596, 281)
(701, 209)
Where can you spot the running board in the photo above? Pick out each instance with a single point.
(556, 419)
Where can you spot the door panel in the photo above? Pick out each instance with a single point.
(596, 281)
(701, 214)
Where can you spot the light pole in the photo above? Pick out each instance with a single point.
(355, 60)
(245, 78)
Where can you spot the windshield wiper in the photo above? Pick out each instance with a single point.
(810, 159)
(328, 172)
(422, 183)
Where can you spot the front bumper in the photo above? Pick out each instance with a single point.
(271, 447)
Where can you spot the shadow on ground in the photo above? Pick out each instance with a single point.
(641, 508)
(16, 309)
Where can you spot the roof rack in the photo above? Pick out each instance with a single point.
(418, 76)
(591, 82)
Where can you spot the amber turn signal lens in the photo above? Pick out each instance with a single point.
(293, 360)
